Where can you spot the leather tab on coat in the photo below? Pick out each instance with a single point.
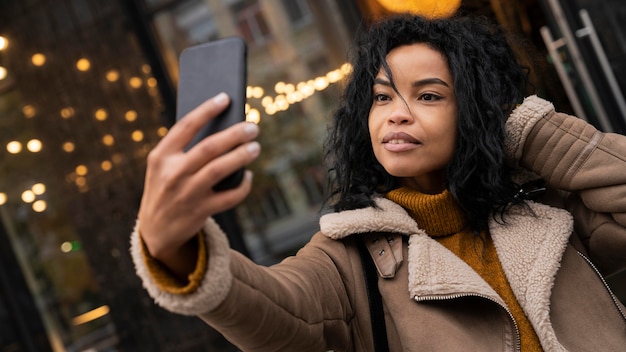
(386, 251)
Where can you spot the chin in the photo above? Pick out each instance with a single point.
(400, 173)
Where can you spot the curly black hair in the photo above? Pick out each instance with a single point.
(488, 83)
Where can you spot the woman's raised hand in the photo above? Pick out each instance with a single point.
(178, 192)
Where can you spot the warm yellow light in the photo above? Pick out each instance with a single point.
(279, 87)
(253, 116)
(81, 181)
(291, 98)
(135, 82)
(66, 247)
(151, 82)
(281, 103)
(68, 112)
(162, 131)
(3, 198)
(108, 140)
(266, 101)
(40, 206)
(38, 59)
(28, 196)
(14, 147)
(306, 89)
(83, 64)
(334, 76)
(346, 68)
(112, 76)
(29, 111)
(257, 92)
(106, 165)
(91, 315)
(254, 92)
(101, 114)
(3, 73)
(137, 136)
(4, 43)
(321, 83)
(81, 170)
(426, 8)
(131, 115)
(38, 188)
(270, 109)
(145, 68)
(34, 145)
(68, 147)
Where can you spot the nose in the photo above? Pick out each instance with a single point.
(401, 114)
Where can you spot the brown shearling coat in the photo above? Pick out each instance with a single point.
(433, 301)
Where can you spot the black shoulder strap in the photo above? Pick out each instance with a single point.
(379, 331)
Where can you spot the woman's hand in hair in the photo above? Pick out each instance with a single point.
(178, 193)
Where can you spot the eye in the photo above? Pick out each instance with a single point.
(430, 97)
(381, 97)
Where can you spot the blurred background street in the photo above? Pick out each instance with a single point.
(88, 87)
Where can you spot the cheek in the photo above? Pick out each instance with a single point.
(371, 127)
(450, 144)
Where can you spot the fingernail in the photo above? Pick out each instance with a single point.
(251, 129)
(253, 148)
(220, 99)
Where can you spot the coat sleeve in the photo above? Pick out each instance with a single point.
(573, 156)
(304, 303)
(300, 304)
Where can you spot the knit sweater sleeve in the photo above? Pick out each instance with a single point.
(166, 280)
(207, 286)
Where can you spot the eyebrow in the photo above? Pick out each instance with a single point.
(419, 83)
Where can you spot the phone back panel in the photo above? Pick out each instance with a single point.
(208, 69)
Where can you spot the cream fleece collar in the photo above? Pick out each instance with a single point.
(530, 248)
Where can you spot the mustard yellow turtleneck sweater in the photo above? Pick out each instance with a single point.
(443, 220)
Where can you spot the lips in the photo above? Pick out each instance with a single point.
(399, 138)
(399, 142)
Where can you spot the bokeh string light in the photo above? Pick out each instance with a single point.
(259, 104)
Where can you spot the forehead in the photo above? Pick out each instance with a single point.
(416, 59)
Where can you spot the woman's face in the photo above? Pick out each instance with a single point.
(413, 131)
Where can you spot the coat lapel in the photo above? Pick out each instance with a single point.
(530, 248)
(437, 273)
(530, 244)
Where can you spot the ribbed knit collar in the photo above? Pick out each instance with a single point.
(437, 214)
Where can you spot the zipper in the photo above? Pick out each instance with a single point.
(461, 295)
(615, 300)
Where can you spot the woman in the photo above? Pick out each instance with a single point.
(427, 152)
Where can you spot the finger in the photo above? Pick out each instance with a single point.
(219, 168)
(228, 199)
(186, 128)
(220, 143)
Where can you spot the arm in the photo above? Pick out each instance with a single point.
(301, 304)
(573, 156)
(186, 265)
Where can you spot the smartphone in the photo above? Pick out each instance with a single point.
(206, 70)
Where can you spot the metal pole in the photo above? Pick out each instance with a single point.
(589, 30)
(580, 65)
(553, 47)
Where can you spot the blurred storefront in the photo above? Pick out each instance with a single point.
(88, 87)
